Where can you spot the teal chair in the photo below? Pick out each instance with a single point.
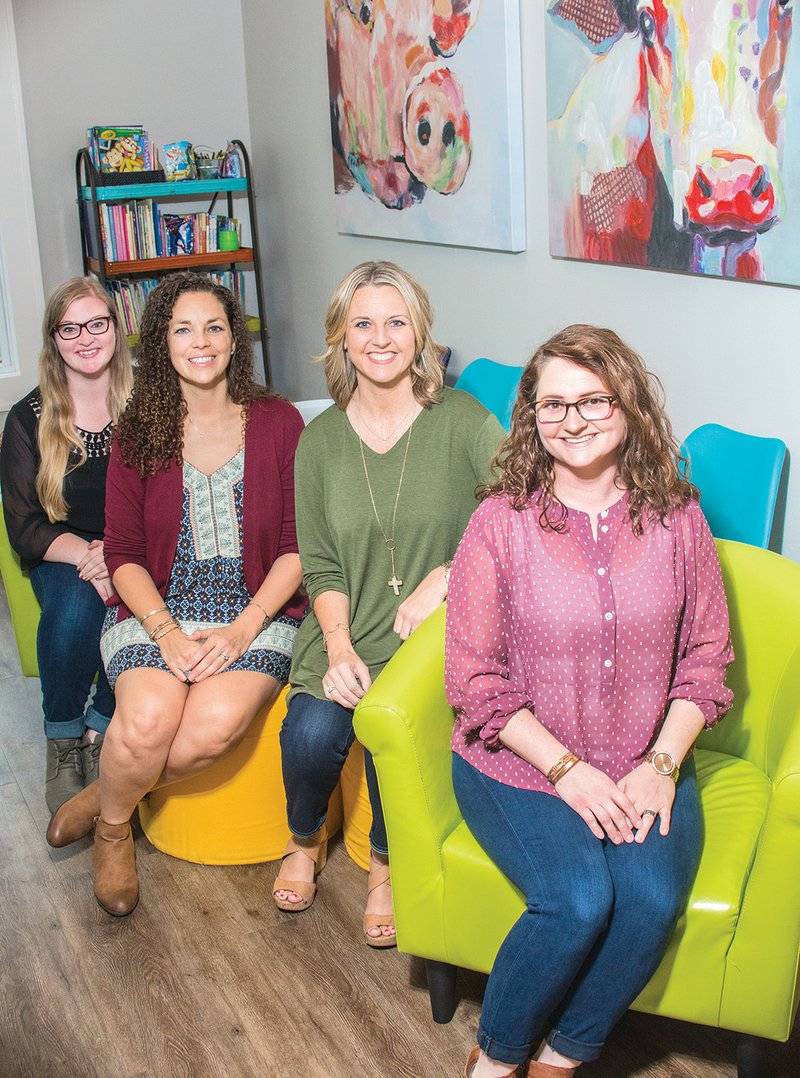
(493, 384)
(22, 602)
(733, 960)
(738, 476)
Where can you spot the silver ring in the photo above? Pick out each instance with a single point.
(328, 689)
(186, 673)
(649, 812)
(225, 656)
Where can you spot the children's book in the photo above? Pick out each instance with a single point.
(119, 149)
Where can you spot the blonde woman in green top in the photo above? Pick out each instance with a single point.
(385, 485)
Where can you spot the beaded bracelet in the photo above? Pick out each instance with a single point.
(330, 632)
(170, 626)
(562, 766)
(157, 610)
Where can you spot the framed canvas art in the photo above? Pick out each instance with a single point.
(674, 139)
(426, 120)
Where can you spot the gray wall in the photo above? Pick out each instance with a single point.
(724, 349)
(176, 68)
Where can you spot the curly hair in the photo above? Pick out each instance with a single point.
(649, 465)
(150, 431)
(61, 448)
(427, 373)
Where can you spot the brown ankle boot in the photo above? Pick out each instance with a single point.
(116, 885)
(547, 1070)
(76, 817)
(472, 1059)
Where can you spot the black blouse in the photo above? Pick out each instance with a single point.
(29, 528)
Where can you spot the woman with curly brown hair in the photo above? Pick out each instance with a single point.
(53, 464)
(587, 645)
(201, 547)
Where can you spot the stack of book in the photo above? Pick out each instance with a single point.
(121, 149)
(137, 229)
(130, 295)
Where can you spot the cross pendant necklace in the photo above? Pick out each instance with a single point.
(394, 582)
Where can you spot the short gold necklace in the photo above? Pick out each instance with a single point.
(394, 582)
(377, 433)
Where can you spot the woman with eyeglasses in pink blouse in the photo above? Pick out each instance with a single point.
(587, 647)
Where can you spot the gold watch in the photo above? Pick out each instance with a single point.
(663, 763)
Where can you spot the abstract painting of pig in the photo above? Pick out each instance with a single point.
(425, 109)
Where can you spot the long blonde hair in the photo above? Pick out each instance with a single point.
(427, 373)
(61, 448)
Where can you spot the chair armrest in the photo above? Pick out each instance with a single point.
(762, 963)
(406, 723)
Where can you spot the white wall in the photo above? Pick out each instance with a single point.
(724, 349)
(20, 271)
(177, 68)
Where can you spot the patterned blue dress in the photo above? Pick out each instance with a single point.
(206, 586)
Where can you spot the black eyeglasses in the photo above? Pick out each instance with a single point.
(589, 408)
(69, 331)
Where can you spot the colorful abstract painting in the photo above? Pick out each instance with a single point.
(674, 141)
(426, 120)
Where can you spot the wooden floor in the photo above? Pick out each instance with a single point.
(207, 978)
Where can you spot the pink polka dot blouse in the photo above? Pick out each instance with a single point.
(596, 637)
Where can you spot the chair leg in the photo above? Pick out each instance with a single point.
(441, 989)
(751, 1056)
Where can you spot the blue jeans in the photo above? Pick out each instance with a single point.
(315, 739)
(598, 917)
(68, 650)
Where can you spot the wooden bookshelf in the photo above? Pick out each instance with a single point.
(154, 266)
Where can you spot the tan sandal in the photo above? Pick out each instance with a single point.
(472, 1059)
(377, 878)
(317, 852)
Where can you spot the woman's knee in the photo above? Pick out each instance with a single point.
(583, 899)
(314, 737)
(142, 728)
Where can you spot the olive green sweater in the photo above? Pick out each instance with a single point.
(341, 546)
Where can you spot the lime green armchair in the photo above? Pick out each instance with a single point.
(22, 602)
(733, 960)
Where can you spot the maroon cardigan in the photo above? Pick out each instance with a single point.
(143, 516)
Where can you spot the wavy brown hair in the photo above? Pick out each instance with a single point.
(427, 373)
(150, 431)
(61, 448)
(649, 465)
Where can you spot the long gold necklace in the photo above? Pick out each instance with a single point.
(394, 582)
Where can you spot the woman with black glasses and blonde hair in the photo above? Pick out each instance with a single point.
(587, 645)
(53, 462)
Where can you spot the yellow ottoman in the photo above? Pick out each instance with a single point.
(356, 806)
(234, 813)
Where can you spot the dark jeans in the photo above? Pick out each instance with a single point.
(315, 739)
(598, 920)
(68, 649)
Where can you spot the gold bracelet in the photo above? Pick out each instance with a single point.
(157, 610)
(562, 766)
(330, 632)
(168, 621)
(267, 617)
(170, 626)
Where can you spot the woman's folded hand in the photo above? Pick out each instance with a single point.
(607, 809)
